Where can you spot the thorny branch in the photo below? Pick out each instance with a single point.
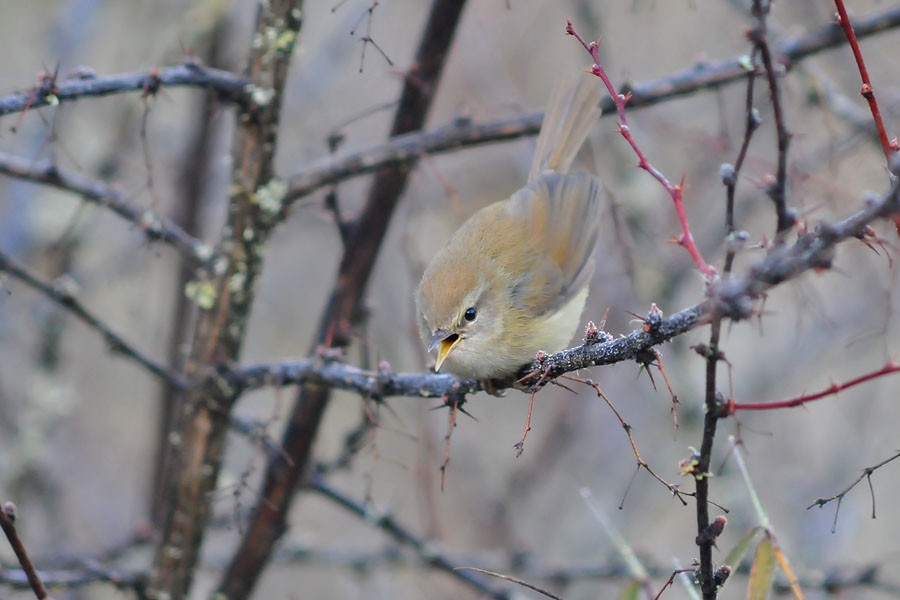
(888, 146)
(675, 191)
(733, 299)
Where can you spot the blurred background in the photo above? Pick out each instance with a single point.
(79, 429)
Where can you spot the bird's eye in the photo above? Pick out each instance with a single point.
(470, 313)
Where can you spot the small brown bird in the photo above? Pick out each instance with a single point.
(514, 278)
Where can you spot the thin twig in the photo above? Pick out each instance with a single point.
(867, 475)
(888, 146)
(675, 191)
(7, 522)
(674, 489)
(386, 523)
(777, 190)
(731, 174)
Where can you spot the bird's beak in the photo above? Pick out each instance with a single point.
(445, 342)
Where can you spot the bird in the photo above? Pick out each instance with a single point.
(513, 279)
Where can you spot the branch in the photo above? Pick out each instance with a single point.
(406, 149)
(812, 250)
(154, 227)
(7, 523)
(601, 349)
(227, 86)
(254, 208)
(867, 475)
(867, 91)
(777, 190)
(426, 551)
(832, 390)
(66, 299)
(77, 578)
(675, 191)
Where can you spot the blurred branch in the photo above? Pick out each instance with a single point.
(154, 227)
(66, 299)
(225, 299)
(79, 577)
(194, 182)
(832, 581)
(427, 552)
(777, 190)
(406, 149)
(285, 470)
(227, 86)
(7, 523)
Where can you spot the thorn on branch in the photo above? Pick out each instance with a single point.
(151, 84)
(710, 534)
(721, 575)
(653, 320)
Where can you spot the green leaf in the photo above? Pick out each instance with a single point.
(632, 591)
(736, 555)
(762, 571)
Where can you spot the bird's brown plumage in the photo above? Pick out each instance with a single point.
(523, 263)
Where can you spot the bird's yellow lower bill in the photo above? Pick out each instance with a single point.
(444, 349)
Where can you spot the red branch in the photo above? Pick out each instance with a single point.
(675, 191)
(833, 389)
(889, 147)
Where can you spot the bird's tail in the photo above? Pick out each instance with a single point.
(574, 107)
